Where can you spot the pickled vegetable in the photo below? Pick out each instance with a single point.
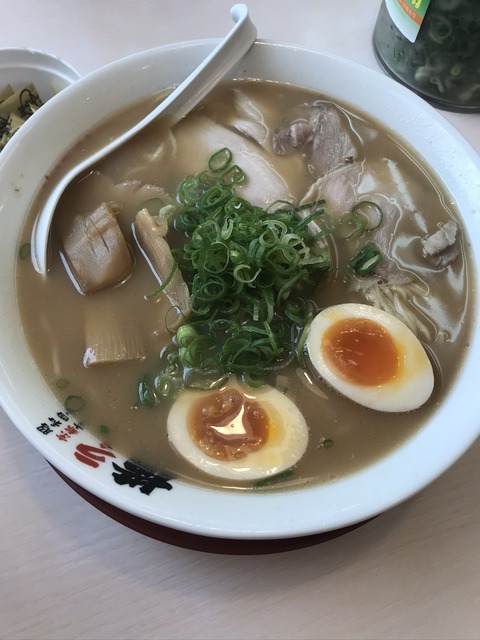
(443, 64)
(15, 108)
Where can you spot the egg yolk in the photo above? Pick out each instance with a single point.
(362, 351)
(226, 425)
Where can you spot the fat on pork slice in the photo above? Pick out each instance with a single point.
(247, 118)
(269, 177)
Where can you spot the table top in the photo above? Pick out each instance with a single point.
(69, 571)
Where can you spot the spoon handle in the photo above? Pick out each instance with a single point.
(175, 106)
(208, 74)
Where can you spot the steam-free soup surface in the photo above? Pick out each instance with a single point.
(263, 124)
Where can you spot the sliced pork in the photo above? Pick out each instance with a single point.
(442, 247)
(268, 176)
(323, 125)
(248, 118)
(337, 188)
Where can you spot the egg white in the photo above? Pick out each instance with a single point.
(281, 451)
(407, 391)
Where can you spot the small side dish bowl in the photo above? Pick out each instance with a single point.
(48, 72)
(242, 515)
(28, 79)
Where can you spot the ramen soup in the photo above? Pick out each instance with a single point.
(274, 292)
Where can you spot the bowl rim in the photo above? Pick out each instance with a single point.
(202, 510)
(39, 60)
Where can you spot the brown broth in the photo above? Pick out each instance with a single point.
(53, 313)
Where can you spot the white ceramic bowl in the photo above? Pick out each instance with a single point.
(49, 73)
(242, 515)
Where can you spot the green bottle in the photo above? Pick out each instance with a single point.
(432, 47)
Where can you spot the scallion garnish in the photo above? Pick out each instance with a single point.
(233, 175)
(74, 404)
(145, 394)
(364, 216)
(366, 259)
(370, 212)
(325, 443)
(249, 271)
(278, 477)
(165, 283)
(24, 251)
(220, 160)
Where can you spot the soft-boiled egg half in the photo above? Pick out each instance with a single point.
(371, 357)
(238, 433)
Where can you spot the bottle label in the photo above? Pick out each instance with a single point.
(407, 15)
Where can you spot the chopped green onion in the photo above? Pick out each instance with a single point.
(371, 212)
(190, 191)
(74, 404)
(350, 226)
(24, 251)
(364, 216)
(325, 443)
(366, 259)
(233, 175)
(165, 283)
(310, 218)
(220, 160)
(146, 394)
(300, 346)
(185, 335)
(213, 197)
(249, 271)
(265, 482)
(172, 318)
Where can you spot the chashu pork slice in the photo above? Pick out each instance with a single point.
(150, 237)
(248, 119)
(95, 249)
(332, 144)
(269, 177)
(338, 188)
(323, 126)
(442, 247)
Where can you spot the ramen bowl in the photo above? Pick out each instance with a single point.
(175, 503)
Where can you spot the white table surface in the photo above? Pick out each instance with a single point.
(69, 571)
